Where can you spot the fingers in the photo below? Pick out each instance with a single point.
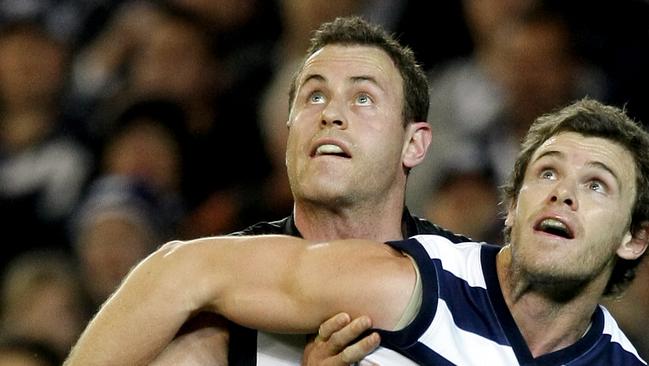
(341, 338)
(357, 351)
(330, 347)
(332, 325)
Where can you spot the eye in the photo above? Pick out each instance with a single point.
(317, 97)
(597, 186)
(363, 99)
(547, 174)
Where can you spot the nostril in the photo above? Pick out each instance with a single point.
(568, 201)
(553, 199)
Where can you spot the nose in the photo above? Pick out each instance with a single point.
(333, 116)
(563, 194)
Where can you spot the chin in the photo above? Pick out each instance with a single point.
(549, 274)
(327, 194)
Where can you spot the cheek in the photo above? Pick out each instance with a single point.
(383, 152)
(291, 146)
(523, 206)
(530, 197)
(608, 220)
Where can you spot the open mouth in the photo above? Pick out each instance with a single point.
(331, 150)
(554, 227)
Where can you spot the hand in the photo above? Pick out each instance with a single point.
(330, 346)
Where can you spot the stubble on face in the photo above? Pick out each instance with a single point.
(361, 87)
(600, 178)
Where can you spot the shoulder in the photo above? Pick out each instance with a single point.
(619, 346)
(265, 227)
(422, 226)
(438, 245)
(462, 260)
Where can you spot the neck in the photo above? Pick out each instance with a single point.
(547, 318)
(318, 222)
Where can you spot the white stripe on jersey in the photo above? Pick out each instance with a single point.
(286, 350)
(611, 327)
(462, 347)
(461, 259)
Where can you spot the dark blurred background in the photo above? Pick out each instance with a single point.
(124, 124)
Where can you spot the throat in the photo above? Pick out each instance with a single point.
(550, 316)
(341, 224)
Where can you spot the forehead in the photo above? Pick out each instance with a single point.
(585, 150)
(349, 61)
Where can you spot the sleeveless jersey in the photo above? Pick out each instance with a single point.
(464, 319)
(249, 347)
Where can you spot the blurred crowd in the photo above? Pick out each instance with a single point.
(127, 123)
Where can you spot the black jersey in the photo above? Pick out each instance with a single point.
(249, 347)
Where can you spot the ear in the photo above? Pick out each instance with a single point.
(417, 139)
(634, 244)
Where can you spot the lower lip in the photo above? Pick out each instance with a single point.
(330, 156)
(550, 235)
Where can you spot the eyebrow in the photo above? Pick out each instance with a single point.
(316, 77)
(595, 164)
(361, 78)
(354, 79)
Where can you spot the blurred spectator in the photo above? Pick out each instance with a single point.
(144, 51)
(466, 202)
(21, 352)
(149, 141)
(166, 51)
(145, 140)
(42, 168)
(64, 19)
(434, 30)
(466, 93)
(615, 37)
(119, 223)
(525, 66)
(245, 32)
(42, 300)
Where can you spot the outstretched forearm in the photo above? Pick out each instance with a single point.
(125, 330)
(164, 290)
(273, 283)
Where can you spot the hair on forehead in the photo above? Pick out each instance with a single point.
(355, 31)
(591, 118)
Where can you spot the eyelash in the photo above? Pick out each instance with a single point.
(366, 96)
(547, 170)
(318, 93)
(601, 185)
(315, 94)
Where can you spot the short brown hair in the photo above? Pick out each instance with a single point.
(356, 31)
(594, 119)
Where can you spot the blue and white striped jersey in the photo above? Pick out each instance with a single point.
(464, 319)
(250, 348)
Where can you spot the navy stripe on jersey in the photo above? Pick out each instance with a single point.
(409, 335)
(469, 311)
(471, 324)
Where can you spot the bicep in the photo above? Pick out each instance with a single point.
(285, 284)
(361, 278)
